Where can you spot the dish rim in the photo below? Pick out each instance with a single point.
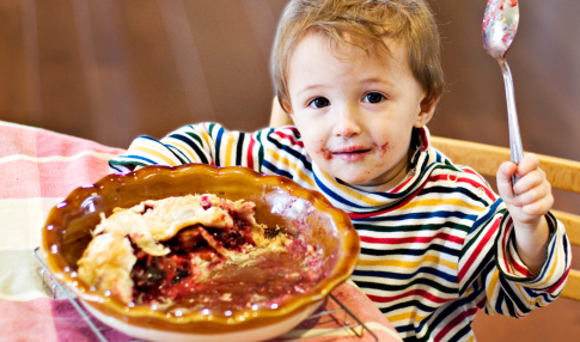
(143, 315)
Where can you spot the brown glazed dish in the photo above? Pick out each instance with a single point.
(279, 202)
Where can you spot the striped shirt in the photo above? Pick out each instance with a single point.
(434, 250)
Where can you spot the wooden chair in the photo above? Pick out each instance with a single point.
(563, 174)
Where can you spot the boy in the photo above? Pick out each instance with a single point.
(361, 80)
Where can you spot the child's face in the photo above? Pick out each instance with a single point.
(356, 112)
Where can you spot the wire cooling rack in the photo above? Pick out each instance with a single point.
(58, 291)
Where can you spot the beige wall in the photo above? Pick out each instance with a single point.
(109, 70)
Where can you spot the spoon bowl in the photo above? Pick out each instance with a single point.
(500, 24)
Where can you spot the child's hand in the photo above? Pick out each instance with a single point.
(531, 197)
(527, 201)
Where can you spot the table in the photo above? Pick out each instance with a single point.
(38, 168)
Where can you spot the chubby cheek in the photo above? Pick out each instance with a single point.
(379, 163)
(383, 156)
(383, 149)
(317, 149)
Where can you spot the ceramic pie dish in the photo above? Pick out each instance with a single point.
(279, 202)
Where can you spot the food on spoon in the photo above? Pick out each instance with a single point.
(200, 250)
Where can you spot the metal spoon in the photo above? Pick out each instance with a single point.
(500, 23)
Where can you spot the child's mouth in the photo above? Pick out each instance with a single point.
(351, 154)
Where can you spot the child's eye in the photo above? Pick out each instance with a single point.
(374, 97)
(319, 102)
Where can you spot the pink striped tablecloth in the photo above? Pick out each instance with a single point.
(38, 168)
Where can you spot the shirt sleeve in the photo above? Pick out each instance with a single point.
(506, 285)
(273, 151)
(207, 143)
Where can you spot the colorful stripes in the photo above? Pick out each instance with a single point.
(433, 250)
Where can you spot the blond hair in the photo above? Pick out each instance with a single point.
(365, 24)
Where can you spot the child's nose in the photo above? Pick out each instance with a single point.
(347, 124)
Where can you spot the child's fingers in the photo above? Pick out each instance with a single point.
(539, 207)
(531, 180)
(531, 189)
(534, 192)
(529, 163)
(525, 171)
(504, 180)
(531, 196)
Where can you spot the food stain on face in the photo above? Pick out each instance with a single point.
(325, 153)
(383, 148)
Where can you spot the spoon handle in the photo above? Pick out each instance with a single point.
(516, 148)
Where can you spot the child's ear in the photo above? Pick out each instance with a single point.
(280, 115)
(427, 110)
(287, 108)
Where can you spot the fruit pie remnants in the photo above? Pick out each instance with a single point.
(197, 251)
